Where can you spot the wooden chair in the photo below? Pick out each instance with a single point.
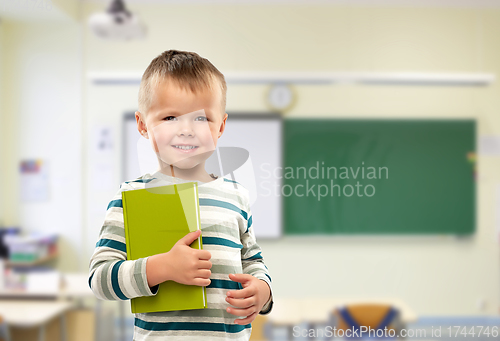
(4, 330)
(258, 328)
(370, 315)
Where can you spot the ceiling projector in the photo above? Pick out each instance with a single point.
(117, 23)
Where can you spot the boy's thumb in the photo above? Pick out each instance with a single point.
(190, 237)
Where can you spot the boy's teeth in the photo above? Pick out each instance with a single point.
(185, 147)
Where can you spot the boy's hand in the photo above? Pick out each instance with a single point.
(187, 265)
(249, 300)
(181, 264)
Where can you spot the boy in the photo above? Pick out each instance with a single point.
(182, 99)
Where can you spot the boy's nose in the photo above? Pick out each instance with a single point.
(186, 130)
(185, 134)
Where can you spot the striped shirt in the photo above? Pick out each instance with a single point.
(226, 225)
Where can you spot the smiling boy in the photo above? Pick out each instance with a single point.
(182, 101)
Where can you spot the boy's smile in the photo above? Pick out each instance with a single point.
(184, 127)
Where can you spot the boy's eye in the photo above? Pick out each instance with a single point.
(170, 118)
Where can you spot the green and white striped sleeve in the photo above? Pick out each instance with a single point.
(251, 257)
(111, 275)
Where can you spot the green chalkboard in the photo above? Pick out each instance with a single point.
(403, 176)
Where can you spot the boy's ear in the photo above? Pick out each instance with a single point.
(223, 125)
(138, 117)
(141, 126)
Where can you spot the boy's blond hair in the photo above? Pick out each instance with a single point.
(186, 70)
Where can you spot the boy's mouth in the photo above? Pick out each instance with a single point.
(186, 148)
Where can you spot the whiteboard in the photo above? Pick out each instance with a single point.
(249, 152)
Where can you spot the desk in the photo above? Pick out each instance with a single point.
(72, 286)
(294, 310)
(29, 314)
(290, 312)
(75, 287)
(25, 309)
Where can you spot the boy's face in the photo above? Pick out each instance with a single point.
(180, 117)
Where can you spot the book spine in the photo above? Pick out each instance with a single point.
(200, 239)
(198, 218)
(127, 240)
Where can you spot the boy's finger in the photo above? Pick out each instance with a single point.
(205, 264)
(202, 282)
(247, 320)
(203, 273)
(190, 237)
(204, 254)
(241, 293)
(240, 277)
(240, 312)
(241, 302)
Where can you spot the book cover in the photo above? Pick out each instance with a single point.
(155, 219)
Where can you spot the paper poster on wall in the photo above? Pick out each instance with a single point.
(102, 141)
(34, 180)
(101, 158)
(489, 145)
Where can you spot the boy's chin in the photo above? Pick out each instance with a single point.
(187, 163)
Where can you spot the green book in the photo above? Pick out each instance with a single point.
(155, 219)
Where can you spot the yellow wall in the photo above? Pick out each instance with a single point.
(434, 275)
(42, 119)
(2, 129)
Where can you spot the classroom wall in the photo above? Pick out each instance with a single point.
(439, 275)
(2, 102)
(42, 106)
(434, 275)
